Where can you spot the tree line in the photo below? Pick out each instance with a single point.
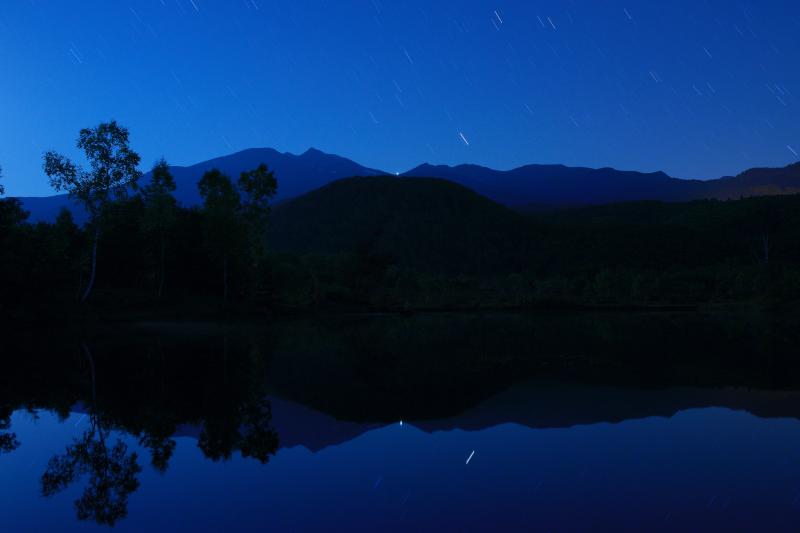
(366, 244)
(130, 222)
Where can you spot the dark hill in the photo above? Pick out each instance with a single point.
(427, 224)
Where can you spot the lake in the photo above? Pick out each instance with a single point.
(520, 422)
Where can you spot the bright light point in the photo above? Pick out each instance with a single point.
(792, 150)
(463, 138)
(470, 457)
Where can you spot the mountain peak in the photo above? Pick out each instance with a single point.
(312, 152)
(555, 185)
(422, 167)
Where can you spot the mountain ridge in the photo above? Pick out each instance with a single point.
(303, 172)
(522, 188)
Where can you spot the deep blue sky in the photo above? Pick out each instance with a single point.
(695, 88)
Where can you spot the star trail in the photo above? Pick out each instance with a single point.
(696, 89)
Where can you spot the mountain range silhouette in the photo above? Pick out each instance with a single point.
(530, 187)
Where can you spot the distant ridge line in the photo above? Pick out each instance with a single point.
(552, 185)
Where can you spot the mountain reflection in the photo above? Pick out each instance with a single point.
(141, 387)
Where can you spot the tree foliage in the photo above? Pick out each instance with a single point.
(113, 170)
(159, 213)
(222, 208)
(160, 204)
(258, 188)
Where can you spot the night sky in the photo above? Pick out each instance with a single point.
(697, 89)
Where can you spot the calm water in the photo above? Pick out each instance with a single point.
(410, 424)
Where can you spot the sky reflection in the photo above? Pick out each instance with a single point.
(701, 468)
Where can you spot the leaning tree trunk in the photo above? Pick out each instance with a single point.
(88, 354)
(94, 266)
(225, 279)
(162, 269)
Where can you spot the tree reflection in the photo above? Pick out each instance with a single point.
(161, 450)
(8, 440)
(249, 432)
(112, 472)
(240, 420)
(145, 398)
(111, 469)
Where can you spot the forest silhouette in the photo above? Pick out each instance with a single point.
(371, 243)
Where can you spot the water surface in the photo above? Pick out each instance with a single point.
(552, 423)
